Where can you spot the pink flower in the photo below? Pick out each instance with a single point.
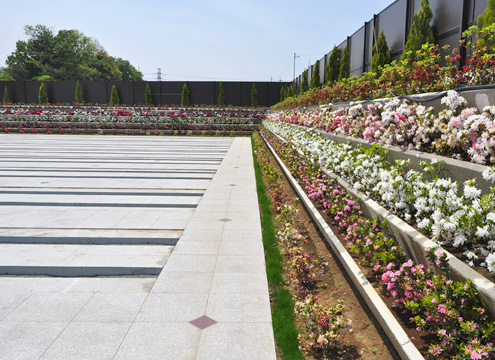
(475, 355)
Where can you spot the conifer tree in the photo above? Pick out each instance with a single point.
(42, 96)
(332, 74)
(185, 98)
(6, 99)
(304, 82)
(254, 96)
(345, 67)
(381, 54)
(420, 32)
(114, 97)
(486, 19)
(148, 99)
(315, 79)
(79, 94)
(221, 95)
(283, 92)
(290, 90)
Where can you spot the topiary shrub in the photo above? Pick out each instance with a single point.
(79, 93)
(42, 95)
(114, 97)
(315, 79)
(345, 67)
(333, 67)
(6, 99)
(148, 99)
(254, 96)
(381, 54)
(185, 98)
(420, 33)
(221, 95)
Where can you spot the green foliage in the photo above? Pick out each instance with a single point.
(79, 94)
(129, 72)
(304, 82)
(420, 33)
(148, 99)
(185, 98)
(291, 90)
(254, 96)
(221, 95)
(345, 67)
(484, 20)
(332, 69)
(114, 97)
(42, 95)
(6, 99)
(381, 54)
(4, 75)
(315, 79)
(283, 93)
(66, 55)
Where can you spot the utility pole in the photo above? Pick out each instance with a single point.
(159, 74)
(294, 73)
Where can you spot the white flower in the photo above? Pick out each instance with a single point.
(459, 240)
(490, 262)
(471, 192)
(490, 216)
(489, 174)
(482, 232)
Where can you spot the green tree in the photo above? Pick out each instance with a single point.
(304, 82)
(315, 79)
(486, 19)
(254, 96)
(290, 90)
(114, 97)
(283, 91)
(129, 72)
(185, 98)
(333, 67)
(381, 54)
(6, 99)
(4, 75)
(79, 94)
(148, 99)
(221, 95)
(420, 33)
(42, 95)
(66, 55)
(345, 67)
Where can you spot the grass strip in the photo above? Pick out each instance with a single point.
(284, 326)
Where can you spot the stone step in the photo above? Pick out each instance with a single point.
(82, 260)
(89, 236)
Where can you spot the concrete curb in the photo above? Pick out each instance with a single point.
(401, 342)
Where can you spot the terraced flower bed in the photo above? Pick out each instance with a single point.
(450, 319)
(128, 120)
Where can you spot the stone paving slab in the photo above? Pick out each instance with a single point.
(210, 301)
(82, 260)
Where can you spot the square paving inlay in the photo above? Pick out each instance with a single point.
(203, 322)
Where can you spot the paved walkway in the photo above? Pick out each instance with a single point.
(131, 248)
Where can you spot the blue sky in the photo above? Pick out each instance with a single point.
(241, 40)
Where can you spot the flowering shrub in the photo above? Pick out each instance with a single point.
(325, 325)
(452, 311)
(436, 204)
(457, 131)
(403, 77)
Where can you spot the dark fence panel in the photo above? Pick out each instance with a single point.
(450, 19)
(357, 47)
(133, 92)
